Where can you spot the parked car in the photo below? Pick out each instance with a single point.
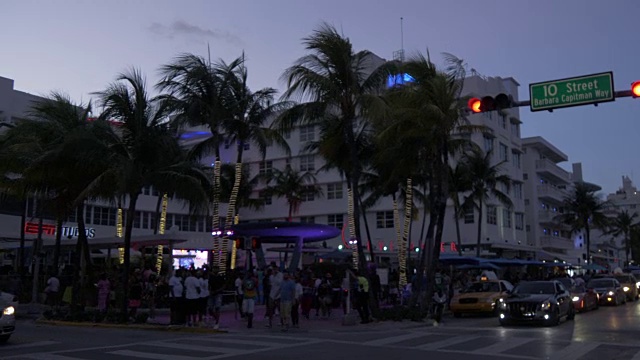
(9, 299)
(7, 320)
(609, 291)
(583, 299)
(480, 297)
(543, 302)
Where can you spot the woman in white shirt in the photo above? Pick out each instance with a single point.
(192, 287)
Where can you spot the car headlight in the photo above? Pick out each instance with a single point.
(626, 288)
(545, 305)
(610, 293)
(502, 304)
(9, 311)
(638, 284)
(575, 298)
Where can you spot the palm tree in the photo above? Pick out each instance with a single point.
(583, 211)
(622, 225)
(459, 183)
(340, 88)
(144, 151)
(485, 180)
(292, 185)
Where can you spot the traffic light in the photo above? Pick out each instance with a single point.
(635, 89)
(255, 243)
(239, 243)
(490, 103)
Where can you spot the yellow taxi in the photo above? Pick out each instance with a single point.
(481, 296)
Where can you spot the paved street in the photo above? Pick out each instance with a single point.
(608, 333)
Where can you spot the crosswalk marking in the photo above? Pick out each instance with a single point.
(393, 339)
(47, 356)
(448, 342)
(189, 347)
(146, 355)
(574, 351)
(243, 342)
(32, 345)
(505, 345)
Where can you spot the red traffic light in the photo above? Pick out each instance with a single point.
(475, 105)
(635, 89)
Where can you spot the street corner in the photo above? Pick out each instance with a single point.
(154, 327)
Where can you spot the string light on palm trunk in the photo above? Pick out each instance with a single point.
(230, 216)
(407, 224)
(402, 261)
(353, 241)
(216, 213)
(119, 226)
(161, 228)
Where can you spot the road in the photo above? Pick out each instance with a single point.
(608, 333)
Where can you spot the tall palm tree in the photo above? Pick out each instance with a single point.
(195, 89)
(485, 182)
(144, 151)
(622, 225)
(247, 123)
(340, 87)
(459, 183)
(292, 185)
(584, 211)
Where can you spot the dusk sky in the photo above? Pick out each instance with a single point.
(79, 47)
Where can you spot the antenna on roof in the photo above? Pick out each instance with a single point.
(399, 54)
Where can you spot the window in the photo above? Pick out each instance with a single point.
(504, 150)
(469, 215)
(308, 195)
(104, 217)
(136, 220)
(517, 190)
(384, 219)
(97, 212)
(515, 129)
(307, 163)
(308, 219)
(154, 191)
(335, 220)
(145, 220)
(246, 146)
(528, 227)
(492, 215)
(266, 167)
(506, 218)
(516, 159)
(503, 120)
(519, 221)
(525, 176)
(169, 222)
(526, 202)
(267, 199)
(334, 191)
(146, 190)
(488, 144)
(87, 213)
(504, 188)
(307, 133)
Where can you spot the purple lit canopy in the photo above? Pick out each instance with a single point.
(286, 232)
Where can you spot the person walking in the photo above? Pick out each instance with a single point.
(362, 298)
(275, 281)
(287, 296)
(216, 287)
(53, 291)
(192, 296)
(295, 315)
(104, 290)
(250, 294)
(204, 296)
(239, 295)
(176, 298)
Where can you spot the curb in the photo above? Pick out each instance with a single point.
(171, 328)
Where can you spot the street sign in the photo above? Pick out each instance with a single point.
(583, 90)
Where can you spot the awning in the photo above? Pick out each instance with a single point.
(549, 256)
(459, 260)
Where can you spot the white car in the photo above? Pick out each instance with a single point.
(7, 320)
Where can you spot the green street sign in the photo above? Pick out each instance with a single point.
(583, 90)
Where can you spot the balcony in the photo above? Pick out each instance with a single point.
(555, 242)
(552, 193)
(546, 216)
(548, 168)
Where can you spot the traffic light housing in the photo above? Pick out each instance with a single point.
(255, 243)
(491, 103)
(635, 89)
(239, 242)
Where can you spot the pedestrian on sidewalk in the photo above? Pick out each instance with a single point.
(216, 287)
(192, 296)
(135, 294)
(204, 295)
(250, 294)
(52, 291)
(104, 290)
(176, 299)
(287, 296)
(239, 295)
(275, 281)
(295, 315)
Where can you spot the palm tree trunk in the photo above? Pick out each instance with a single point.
(56, 249)
(479, 239)
(456, 213)
(131, 213)
(366, 229)
(627, 247)
(21, 254)
(36, 257)
(75, 293)
(588, 237)
(231, 211)
(215, 226)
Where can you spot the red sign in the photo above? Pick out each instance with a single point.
(452, 247)
(32, 228)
